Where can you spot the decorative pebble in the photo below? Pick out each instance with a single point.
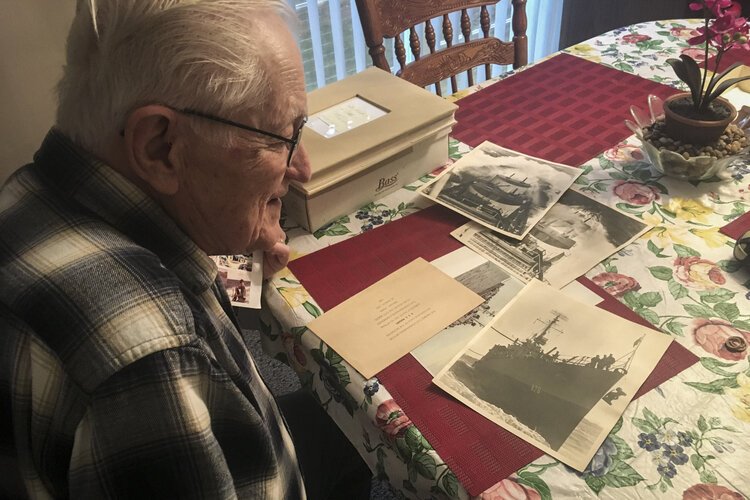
(731, 142)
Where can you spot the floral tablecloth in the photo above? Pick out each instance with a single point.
(689, 438)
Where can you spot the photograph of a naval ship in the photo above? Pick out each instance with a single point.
(577, 230)
(543, 389)
(500, 201)
(501, 189)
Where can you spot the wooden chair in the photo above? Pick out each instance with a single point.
(390, 18)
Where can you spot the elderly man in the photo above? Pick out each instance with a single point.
(122, 370)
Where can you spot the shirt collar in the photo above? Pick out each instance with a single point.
(108, 195)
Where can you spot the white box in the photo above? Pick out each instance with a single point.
(374, 155)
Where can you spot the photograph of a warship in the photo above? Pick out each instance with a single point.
(500, 201)
(501, 189)
(546, 391)
(577, 230)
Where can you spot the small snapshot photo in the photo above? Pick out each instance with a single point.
(501, 189)
(235, 272)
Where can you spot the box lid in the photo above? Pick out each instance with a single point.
(411, 114)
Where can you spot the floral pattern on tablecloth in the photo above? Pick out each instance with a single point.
(685, 439)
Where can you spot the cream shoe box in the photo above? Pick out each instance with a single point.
(367, 136)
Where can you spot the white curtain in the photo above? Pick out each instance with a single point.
(330, 36)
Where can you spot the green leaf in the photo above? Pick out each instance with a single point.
(403, 449)
(425, 465)
(605, 163)
(333, 229)
(652, 418)
(318, 356)
(684, 251)
(697, 461)
(650, 299)
(616, 428)
(311, 309)
(702, 425)
(622, 475)
(676, 327)
(648, 315)
(729, 266)
(715, 387)
(715, 296)
(632, 299)
(535, 482)
(624, 452)
(343, 374)
(688, 71)
(623, 66)
(413, 439)
(699, 311)
(676, 289)
(655, 249)
(450, 484)
(333, 357)
(661, 272)
(707, 476)
(717, 367)
(728, 311)
(742, 324)
(619, 176)
(596, 484)
(643, 425)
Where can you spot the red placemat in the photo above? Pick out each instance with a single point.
(737, 227)
(478, 451)
(565, 109)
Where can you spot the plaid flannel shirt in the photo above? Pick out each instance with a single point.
(122, 372)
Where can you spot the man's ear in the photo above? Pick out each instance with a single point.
(149, 134)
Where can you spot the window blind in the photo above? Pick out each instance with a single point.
(332, 44)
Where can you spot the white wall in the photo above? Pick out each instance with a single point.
(32, 53)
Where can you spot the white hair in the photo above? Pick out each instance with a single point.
(200, 54)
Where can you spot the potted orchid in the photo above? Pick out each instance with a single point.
(701, 116)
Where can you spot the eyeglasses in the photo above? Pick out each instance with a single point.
(292, 142)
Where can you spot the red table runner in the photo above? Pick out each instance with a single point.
(478, 451)
(737, 227)
(566, 109)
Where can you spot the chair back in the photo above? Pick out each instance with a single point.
(390, 18)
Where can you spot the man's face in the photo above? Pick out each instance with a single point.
(231, 196)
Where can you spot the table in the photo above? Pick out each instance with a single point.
(686, 439)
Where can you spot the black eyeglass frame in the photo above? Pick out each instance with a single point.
(293, 141)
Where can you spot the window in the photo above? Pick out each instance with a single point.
(330, 36)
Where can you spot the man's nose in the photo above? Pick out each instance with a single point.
(300, 169)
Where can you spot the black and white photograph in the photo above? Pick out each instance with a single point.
(577, 233)
(501, 189)
(540, 371)
(484, 278)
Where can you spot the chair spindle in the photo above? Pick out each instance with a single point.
(484, 21)
(466, 31)
(448, 37)
(414, 43)
(400, 51)
(429, 34)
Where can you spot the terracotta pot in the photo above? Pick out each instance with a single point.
(692, 131)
